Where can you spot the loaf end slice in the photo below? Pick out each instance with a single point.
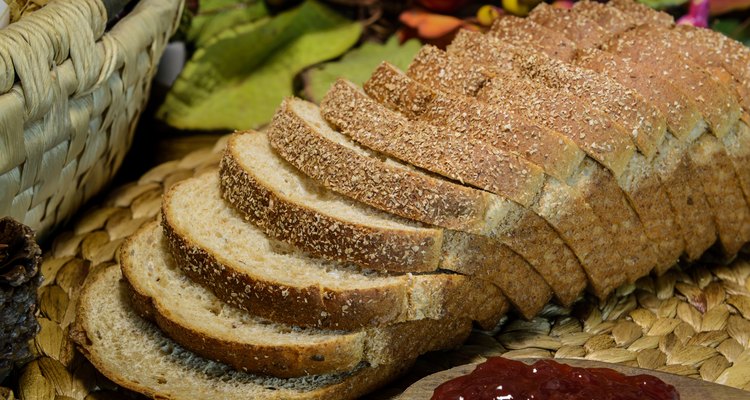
(135, 354)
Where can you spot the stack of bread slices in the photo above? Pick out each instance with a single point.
(572, 150)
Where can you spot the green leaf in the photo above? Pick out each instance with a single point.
(358, 64)
(239, 78)
(219, 16)
(662, 4)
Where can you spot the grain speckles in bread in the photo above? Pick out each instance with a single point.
(431, 147)
(303, 138)
(293, 208)
(242, 266)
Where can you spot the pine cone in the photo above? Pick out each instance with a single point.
(20, 257)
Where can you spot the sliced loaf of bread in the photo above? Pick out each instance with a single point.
(196, 319)
(304, 139)
(135, 354)
(641, 187)
(217, 248)
(295, 209)
(374, 125)
(591, 183)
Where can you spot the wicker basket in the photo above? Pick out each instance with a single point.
(71, 92)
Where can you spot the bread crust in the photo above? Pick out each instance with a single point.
(397, 190)
(462, 159)
(516, 29)
(324, 235)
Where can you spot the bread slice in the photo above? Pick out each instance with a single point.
(217, 248)
(609, 18)
(292, 208)
(135, 354)
(582, 32)
(295, 209)
(358, 116)
(196, 319)
(515, 29)
(303, 138)
(641, 186)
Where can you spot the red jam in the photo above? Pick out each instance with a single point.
(503, 379)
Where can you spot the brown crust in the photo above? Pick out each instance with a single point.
(644, 124)
(515, 29)
(716, 102)
(584, 32)
(713, 49)
(679, 111)
(407, 193)
(324, 235)
(358, 383)
(590, 129)
(555, 153)
(428, 146)
(490, 260)
(609, 18)
(694, 215)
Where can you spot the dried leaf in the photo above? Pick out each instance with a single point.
(651, 358)
(713, 367)
(663, 326)
(33, 385)
(613, 355)
(570, 352)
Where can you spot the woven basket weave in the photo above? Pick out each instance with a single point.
(70, 96)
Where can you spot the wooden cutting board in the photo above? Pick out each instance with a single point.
(689, 389)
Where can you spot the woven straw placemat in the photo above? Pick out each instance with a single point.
(693, 322)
